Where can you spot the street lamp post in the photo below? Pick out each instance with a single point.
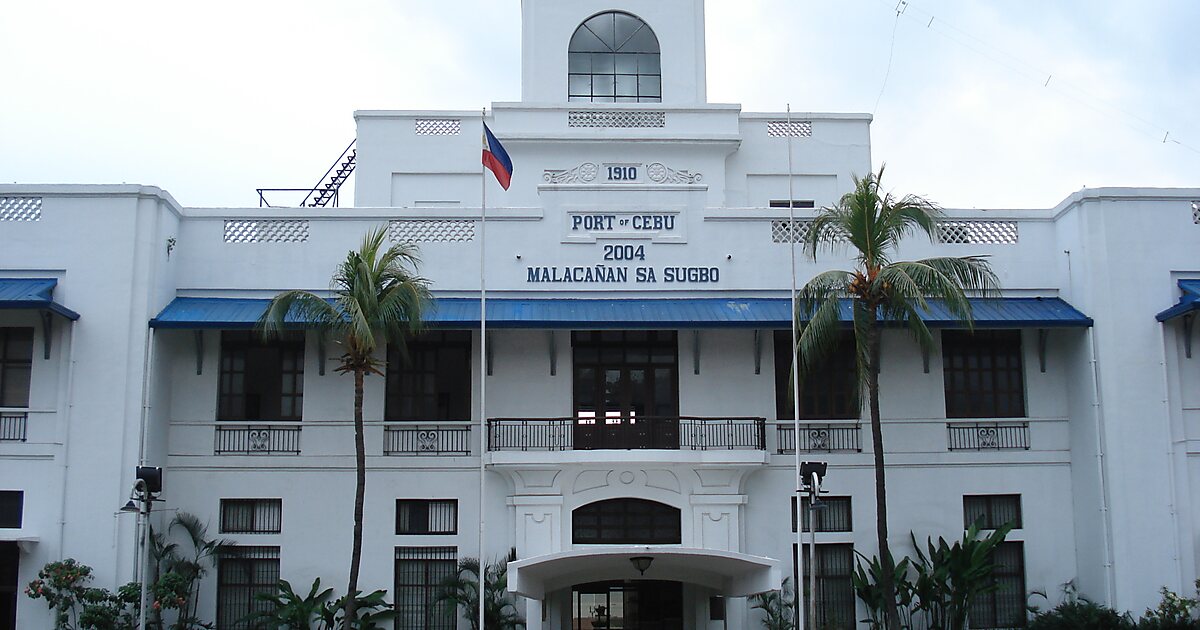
(812, 473)
(145, 492)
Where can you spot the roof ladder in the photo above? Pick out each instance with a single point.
(326, 189)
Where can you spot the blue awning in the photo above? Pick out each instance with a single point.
(580, 313)
(1189, 302)
(32, 293)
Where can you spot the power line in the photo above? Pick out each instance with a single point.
(1046, 79)
(891, 52)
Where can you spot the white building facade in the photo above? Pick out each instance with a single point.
(637, 277)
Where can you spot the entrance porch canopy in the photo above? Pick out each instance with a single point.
(732, 574)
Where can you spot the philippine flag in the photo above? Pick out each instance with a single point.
(496, 159)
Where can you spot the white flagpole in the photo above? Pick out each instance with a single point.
(799, 520)
(482, 371)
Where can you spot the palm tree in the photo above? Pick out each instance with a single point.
(873, 222)
(377, 298)
(461, 590)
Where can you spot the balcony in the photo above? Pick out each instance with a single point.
(620, 433)
(820, 437)
(429, 440)
(729, 440)
(257, 440)
(13, 426)
(988, 436)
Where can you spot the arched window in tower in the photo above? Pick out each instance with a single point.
(614, 58)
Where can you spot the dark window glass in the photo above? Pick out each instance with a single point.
(426, 516)
(251, 516)
(716, 608)
(834, 602)
(983, 374)
(796, 203)
(9, 580)
(420, 572)
(16, 366)
(614, 57)
(430, 378)
(261, 380)
(828, 393)
(12, 506)
(242, 574)
(626, 522)
(990, 511)
(1005, 606)
(833, 514)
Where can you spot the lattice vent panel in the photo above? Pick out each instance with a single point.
(20, 208)
(1196, 212)
(798, 232)
(795, 128)
(431, 231)
(617, 119)
(269, 231)
(978, 232)
(437, 126)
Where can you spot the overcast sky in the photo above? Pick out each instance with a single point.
(213, 99)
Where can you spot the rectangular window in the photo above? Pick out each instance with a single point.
(430, 378)
(991, 511)
(828, 393)
(420, 572)
(983, 374)
(251, 516)
(16, 366)
(261, 380)
(1005, 606)
(243, 573)
(834, 602)
(796, 203)
(12, 507)
(426, 516)
(832, 514)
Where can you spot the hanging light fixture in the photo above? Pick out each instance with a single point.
(641, 563)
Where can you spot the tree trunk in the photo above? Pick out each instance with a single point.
(887, 581)
(360, 465)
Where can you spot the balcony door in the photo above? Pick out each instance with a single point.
(626, 390)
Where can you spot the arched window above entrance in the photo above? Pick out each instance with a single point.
(626, 522)
(614, 58)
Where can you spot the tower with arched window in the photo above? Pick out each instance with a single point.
(636, 51)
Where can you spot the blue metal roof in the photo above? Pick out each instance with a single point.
(32, 293)
(1188, 302)
(226, 313)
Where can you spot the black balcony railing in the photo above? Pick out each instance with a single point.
(427, 440)
(13, 426)
(623, 433)
(988, 436)
(257, 440)
(843, 437)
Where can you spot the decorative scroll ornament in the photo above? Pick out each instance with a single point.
(662, 174)
(427, 441)
(583, 174)
(260, 441)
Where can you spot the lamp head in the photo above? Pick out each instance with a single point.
(641, 563)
